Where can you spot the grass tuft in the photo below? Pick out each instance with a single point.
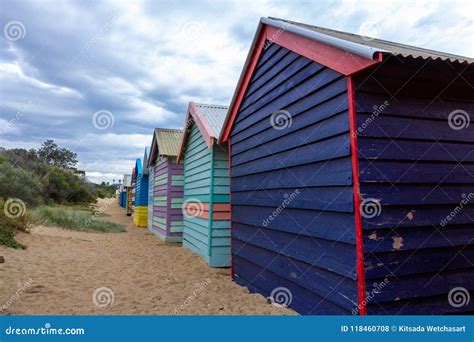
(75, 218)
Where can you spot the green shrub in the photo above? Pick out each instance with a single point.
(18, 183)
(63, 186)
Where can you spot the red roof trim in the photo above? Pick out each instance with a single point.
(204, 128)
(334, 58)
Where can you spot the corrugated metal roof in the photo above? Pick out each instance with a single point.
(214, 115)
(384, 46)
(168, 141)
(145, 160)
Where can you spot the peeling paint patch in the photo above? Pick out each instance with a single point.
(374, 236)
(411, 215)
(397, 242)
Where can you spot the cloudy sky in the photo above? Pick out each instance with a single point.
(98, 76)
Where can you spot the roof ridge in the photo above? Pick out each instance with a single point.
(211, 105)
(395, 47)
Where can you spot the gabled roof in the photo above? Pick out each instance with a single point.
(208, 118)
(343, 52)
(137, 169)
(213, 115)
(165, 142)
(145, 160)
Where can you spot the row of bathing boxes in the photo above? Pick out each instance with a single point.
(180, 188)
(341, 176)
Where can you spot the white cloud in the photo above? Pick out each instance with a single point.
(144, 60)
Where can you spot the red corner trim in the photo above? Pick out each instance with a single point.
(355, 180)
(248, 70)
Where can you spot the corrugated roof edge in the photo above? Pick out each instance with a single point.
(279, 23)
(362, 50)
(378, 45)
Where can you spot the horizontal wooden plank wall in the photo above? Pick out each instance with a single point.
(129, 201)
(168, 199)
(140, 214)
(212, 243)
(292, 195)
(416, 170)
(151, 183)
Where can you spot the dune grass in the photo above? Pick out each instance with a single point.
(75, 218)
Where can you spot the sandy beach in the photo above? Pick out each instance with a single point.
(67, 272)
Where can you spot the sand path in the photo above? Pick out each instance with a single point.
(131, 273)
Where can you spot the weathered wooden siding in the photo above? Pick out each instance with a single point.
(416, 170)
(151, 183)
(140, 214)
(168, 198)
(129, 202)
(206, 194)
(291, 188)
